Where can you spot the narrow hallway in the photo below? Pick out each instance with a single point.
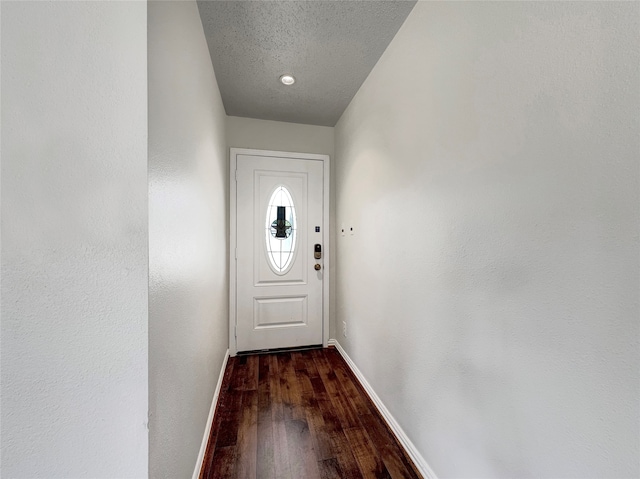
(479, 238)
(299, 415)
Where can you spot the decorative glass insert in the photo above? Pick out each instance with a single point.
(280, 233)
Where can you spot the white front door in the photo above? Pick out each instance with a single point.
(279, 230)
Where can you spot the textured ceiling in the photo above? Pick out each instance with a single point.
(329, 46)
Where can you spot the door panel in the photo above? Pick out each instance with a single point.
(279, 300)
(280, 311)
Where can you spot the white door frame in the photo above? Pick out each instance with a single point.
(326, 249)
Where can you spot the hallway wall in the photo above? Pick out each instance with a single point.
(489, 166)
(188, 285)
(279, 135)
(74, 240)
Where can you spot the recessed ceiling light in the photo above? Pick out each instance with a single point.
(287, 79)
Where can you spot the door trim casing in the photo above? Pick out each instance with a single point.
(326, 246)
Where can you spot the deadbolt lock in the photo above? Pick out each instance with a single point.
(317, 251)
(317, 267)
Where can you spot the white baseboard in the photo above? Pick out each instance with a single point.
(207, 429)
(415, 456)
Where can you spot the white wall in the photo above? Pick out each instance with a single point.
(279, 136)
(74, 240)
(490, 167)
(188, 288)
(298, 138)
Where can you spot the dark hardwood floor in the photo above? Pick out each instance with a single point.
(299, 415)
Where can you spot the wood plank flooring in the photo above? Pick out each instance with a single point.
(299, 415)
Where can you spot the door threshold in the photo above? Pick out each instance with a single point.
(280, 350)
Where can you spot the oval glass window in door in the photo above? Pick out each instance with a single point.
(280, 233)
